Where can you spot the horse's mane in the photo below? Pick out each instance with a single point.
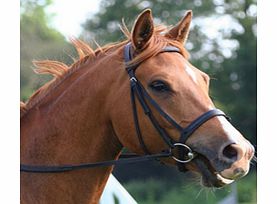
(61, 71)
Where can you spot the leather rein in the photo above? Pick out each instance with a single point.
(184, 153)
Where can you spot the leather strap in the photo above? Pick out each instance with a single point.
(138, 90)
(133, 158)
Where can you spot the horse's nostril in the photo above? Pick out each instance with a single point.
(230, 152)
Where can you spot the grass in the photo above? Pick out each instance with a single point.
(152, 191)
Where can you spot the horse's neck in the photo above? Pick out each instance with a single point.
(71, 126)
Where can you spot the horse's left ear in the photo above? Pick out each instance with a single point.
(143, 30)
(180, 32)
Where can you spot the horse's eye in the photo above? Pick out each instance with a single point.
(159, 86)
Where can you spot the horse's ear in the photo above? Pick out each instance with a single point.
(143, 30)
(180, 32)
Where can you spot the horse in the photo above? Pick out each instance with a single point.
(87, 114)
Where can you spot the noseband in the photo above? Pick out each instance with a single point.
(184, 153)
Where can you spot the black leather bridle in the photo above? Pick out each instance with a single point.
(185, 153)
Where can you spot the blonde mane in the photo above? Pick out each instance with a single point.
(61, 71)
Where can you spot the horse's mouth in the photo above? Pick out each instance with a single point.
(209, 176)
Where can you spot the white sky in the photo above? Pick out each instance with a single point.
(69, 15)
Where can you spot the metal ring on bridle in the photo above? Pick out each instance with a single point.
(190, 153)
(133, 79)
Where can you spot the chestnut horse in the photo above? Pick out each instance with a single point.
(85, 114)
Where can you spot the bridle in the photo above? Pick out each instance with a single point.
(185, 153)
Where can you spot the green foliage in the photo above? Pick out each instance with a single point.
(104, 26)
(37, 41)
(154, 191)
(34, 21)
(247, 188)
(115, 199)
(236, 84)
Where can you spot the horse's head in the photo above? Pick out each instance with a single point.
(181, 91)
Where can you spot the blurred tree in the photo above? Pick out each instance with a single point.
(236, 84)
(104, 26)
(37, 41)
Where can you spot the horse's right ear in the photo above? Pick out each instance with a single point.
(143, 30)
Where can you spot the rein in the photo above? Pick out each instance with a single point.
(185, 153)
